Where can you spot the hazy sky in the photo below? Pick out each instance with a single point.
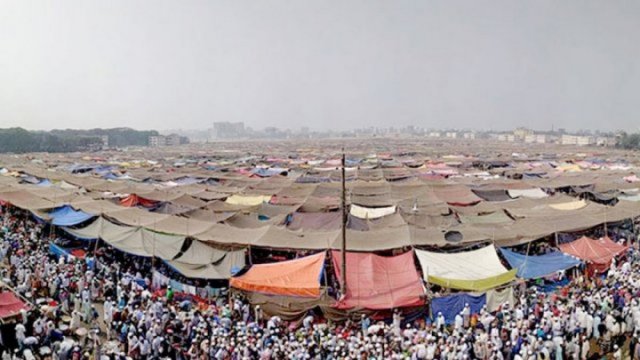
(322, 64)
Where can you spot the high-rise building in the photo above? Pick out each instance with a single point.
(158, 140)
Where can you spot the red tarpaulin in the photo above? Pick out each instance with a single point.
(378, 282)
(135, 200)
(10, 304)
(598, 252)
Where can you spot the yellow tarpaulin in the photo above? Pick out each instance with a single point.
(248, 200)
(475, 270)
(573, 205)
(475, 285)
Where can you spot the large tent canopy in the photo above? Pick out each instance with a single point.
(28, 201)
(376, 282)
(222, 268)
(425, 212)
(132, 240)
(67, 216)
(537, 266)
(199, 212)
(299, 277)
(475, 270)
(600, 251)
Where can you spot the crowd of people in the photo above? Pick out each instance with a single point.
(103, 307)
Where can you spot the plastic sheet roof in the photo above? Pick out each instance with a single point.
(300, 277)
(376, 282)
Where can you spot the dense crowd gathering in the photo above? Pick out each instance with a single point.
(103, 307)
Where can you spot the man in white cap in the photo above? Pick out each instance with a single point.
(458, 321)
(397, 319)
(617, 352)
(440, 322)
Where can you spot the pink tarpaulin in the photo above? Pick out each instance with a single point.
(600, 251)
(632, 178)
(10, 304)
(378, 282)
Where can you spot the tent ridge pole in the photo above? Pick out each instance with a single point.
(344, 227)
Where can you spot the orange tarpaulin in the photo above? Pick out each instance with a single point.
(135, 200)
(599, 252)
(299, 277)
(378, 282)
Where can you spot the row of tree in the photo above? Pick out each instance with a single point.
(629, 141)
(19, 140)
(118, 137)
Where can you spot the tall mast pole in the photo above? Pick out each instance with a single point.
(344, 227)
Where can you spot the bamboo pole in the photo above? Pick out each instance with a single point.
(344, 227)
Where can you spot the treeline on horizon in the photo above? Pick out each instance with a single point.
(19, 140)
(629, 141)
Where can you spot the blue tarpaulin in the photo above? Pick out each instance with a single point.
(534, 267)
(452, 305)
(58, 251)
(44, 183)
(548, 287)
(110, 176)
(67, 216)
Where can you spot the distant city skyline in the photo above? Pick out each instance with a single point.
(327, 65)
(311, 129)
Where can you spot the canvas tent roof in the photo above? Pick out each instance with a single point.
(315, 221)
(207, 215)
(222, 268)
(456, 195)
(299, 277)
(147, 243)
(178, 225)
(376, 282)
(135, 217)
(497, 217)
(95, 207)
(475, 270)
(291, 308)
(97, 229)
(199, 253)
(133, 240)
(28, 201)
(492, 195)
